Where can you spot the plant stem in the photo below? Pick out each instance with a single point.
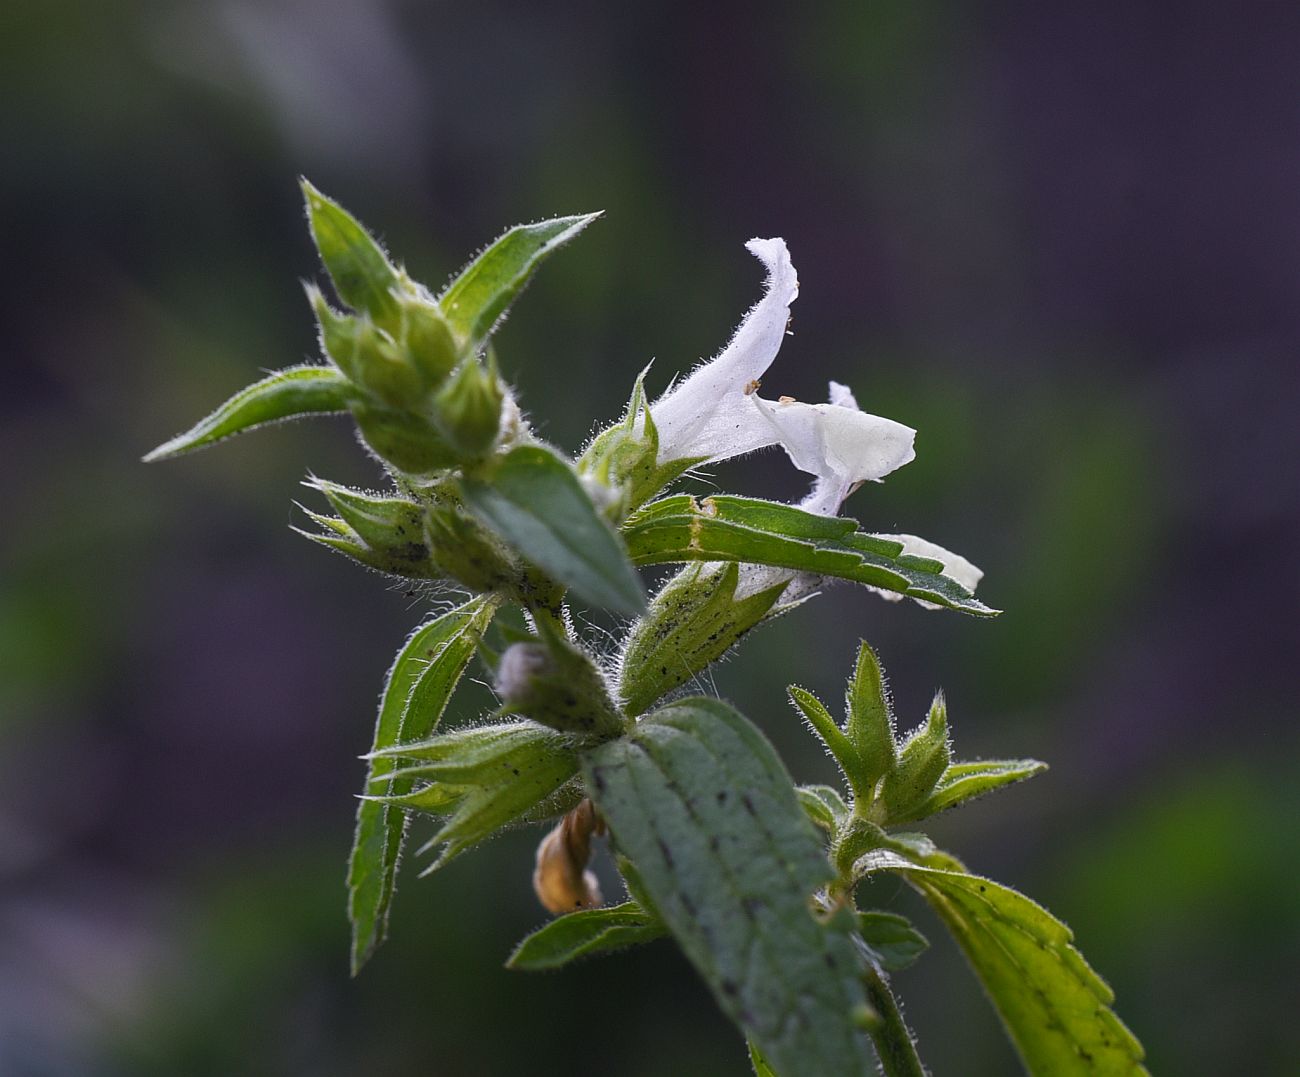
(898, 1057)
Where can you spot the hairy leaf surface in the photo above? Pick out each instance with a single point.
(697, 799)
(1055, 1008)
(419, 685)
(286, 394)
(966, 781)
(535, 502)
(585, 933)
(725, 528)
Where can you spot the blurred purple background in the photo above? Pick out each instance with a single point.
(1062, 241)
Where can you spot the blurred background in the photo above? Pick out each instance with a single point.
(1062, 241)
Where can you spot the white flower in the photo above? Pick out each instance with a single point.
(715, 413)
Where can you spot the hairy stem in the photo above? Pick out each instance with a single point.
(898, 1057)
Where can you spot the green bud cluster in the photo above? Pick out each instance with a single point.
(383, 533)
(624, 457)
(893, 779)
(426, 401)
(922, 760)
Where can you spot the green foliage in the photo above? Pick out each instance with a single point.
(893, 780)
(753, 877)
(418, 688)
(698, 801)
(535, 503)
(1056, 1009)
(869, 718)
(891, 940)
(725, 528)
(756, 1059)
(287, 394)
(585, 933)
(922, 760)
(961, 782)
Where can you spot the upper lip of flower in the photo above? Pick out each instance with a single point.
(714, 413)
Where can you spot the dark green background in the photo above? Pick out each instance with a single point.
(1062, 241)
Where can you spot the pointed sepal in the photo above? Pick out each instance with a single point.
(363, 276)
(475, 302)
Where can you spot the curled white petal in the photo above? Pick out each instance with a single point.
(709, 413)
(843, 396)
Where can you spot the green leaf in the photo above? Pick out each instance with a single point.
(420, 682)
(725, 528)
(697, 799)
(475, 301)
(823, 805)
(1055, 1008)
(362, 274)
(584, 933)
(286, 394)
(756, 1059)
(966, 781)
(693, 621)
(536, 504)
(894, 943)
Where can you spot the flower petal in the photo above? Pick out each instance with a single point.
(709, 412)
(833, 441)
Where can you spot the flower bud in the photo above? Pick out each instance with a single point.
(386, 533)
(465, 551)
(922, 761)
(870, 723)
(556, 684)
(694, 620)
(406, 441)
(467, 409)
(367, 356)
(427, 341)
